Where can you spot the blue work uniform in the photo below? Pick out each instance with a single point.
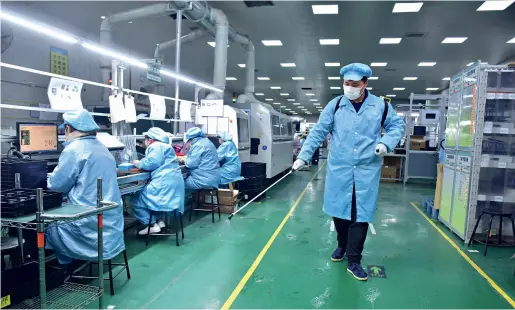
(202, 164)
(165, 191)
(230, 164)
(352, 161)
(81, 163)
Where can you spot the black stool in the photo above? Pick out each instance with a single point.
(210, 205)
(178, 220)
(492, 215)
(110, 265)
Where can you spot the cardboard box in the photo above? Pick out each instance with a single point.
(389, 172)
(417, 143)
(228, 199)
(391, 161)
(439, 181)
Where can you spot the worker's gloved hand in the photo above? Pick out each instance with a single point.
(299, 163)
(381, 150)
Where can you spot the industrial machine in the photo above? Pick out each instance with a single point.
(271, 135)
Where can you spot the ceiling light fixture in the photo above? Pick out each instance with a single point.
(432, 88)
(263, 78)
(426, 64)
(275, 87)
(399, 88)
(391, 96)
(287, 109)
(300, 107)
(335, 87)
(130, 22)
(407, 7)
(40, 28)
(272, 43)
(333, 78)
(446, 79)
(369, 88)
(325, 9)
(470, 64)
(269, 99)
(290, 99)
(102, 17)
(454, 40)
(332, 64)
(313, 99)
(298, 78)
(390, 40)
(259, 94)
(284, 94)
(373, 78)
(230, 78)
(296, 103)
(310, 94)
(288, 65)
(410, 78)
(378, 64)
(511, 41)
(495, 5)
(329, 41)
(212, 43)
(241, 65)
(276, 103)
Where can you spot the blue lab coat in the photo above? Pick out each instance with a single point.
(165, 191)
(81, 163)
(202, 164)
(230, 163)
(352, 159)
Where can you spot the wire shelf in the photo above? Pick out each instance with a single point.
(68, 296)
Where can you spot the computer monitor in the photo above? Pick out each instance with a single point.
(36, 137)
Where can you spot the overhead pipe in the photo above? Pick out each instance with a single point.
(106, 36)
(197, 34)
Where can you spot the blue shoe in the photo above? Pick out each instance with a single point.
(357, 271)
(338, 255)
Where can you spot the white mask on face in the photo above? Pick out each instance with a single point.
(352, 93)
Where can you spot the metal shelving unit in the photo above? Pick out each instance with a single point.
(421, 164)
(70, 295)
(479, 172)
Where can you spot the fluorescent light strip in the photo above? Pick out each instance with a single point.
(333, 78)
(332, 64)
(335, 87)
(263, 78)
(241, 65)
(230, 78)
(410, 78)
(454, 40)
(275, 87)
(369, 88)
(399, 88)
(325, 9)
(511, 41)
(272, 43)
(290, 99)
(495, 5)
(288, 65)
(373, 78)
(276, 103)
(426, 64)
(269, 99)
(284, 94)
(432, 88)
(390, 40)
(391, 95)
(310, 94)
(259, 94)
(313, 99)
(470, 64)
(296, 103)
(298, 78)
(407, 7)
(283, 106)
(110, 53)
(446, 79)
(329, 41)
(378, 64)
(40, 28)
(213, 44)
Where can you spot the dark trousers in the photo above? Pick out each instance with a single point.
(351, 234)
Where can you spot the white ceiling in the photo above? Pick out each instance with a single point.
(359, 26)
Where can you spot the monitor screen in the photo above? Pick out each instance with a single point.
(37, 138)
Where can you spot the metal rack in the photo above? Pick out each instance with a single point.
(478, 175)
(420, 164)
(81, 295)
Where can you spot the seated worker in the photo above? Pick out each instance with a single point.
(84, 160)
(201, 161)
(230, 164)
(165, 191)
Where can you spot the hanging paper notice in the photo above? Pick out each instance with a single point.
(212, 107)
(47, 116)
(116, 108)
(157, 107)
(185, 111)
(64, 94)
(130, 109)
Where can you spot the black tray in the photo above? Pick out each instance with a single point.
(19, 202)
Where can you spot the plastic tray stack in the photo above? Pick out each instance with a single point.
(33, 173)
(19, 202)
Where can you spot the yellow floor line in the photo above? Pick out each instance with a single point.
(228, 303)
(468, 259)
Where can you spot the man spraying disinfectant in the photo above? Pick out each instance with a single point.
(355, 159)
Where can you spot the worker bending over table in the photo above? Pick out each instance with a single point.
(201, 162)
(228, 157)
(165, 191)
(84, 160)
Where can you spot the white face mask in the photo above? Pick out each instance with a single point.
(352, 93)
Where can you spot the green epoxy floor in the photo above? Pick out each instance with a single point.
(423, 269)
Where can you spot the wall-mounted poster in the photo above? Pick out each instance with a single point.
(58, 61)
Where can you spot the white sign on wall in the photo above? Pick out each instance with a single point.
(64, 94)
(210, 107)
